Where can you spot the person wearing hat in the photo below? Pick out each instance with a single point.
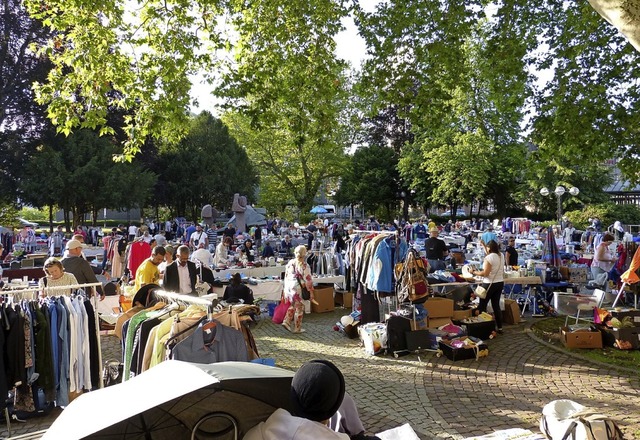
(317, 391)
(79, 267)
(436, 250)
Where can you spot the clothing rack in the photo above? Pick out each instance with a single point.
(209, 303)
(376, 232)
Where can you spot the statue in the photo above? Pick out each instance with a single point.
(239, 207)
(209, 215)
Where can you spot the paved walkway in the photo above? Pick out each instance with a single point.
(442, 399)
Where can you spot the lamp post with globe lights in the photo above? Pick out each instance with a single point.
(559, 191)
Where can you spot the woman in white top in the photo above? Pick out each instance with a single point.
(493, 280)
(603, 260)
(221, 258)
(55, 277)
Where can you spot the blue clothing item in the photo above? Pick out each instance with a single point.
(420, 231)
(55, 347)
(30, 315)
(401, 251)
(219, 344)
(488, 236)
(62, 394)
(80, 316)
(190, 230)
(380, 273)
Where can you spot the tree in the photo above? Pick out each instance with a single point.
(206, 167)
(22, 121)
(78, 174)
(371, 179)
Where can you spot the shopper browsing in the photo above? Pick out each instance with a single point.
(148, 272)
(221, 258)
(297, 274)
(55, 276)
(493, 280)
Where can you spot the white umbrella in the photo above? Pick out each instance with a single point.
(167, 401)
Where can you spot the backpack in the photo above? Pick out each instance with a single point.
(411, 278)
(397, 327)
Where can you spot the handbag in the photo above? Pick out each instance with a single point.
(304, 292)
(481, 291)
(280, 311)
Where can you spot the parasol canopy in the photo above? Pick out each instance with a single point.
(551, 254)
(169, 400)
(318, 210)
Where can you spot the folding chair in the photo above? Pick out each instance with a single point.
(593, 301)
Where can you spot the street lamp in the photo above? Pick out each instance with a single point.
(559, 192)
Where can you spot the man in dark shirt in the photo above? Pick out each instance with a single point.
(79, 267)
(510, 253)
(436, 250)
(420, 231)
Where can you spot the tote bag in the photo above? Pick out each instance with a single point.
(280, 311)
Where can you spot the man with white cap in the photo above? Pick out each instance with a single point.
(78, 266)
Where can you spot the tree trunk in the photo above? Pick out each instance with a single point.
(50, 219)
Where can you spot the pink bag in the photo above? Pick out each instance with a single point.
(280, 311)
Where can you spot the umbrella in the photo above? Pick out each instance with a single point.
(251, 218)
(551, 254)
(169, 400)
(318, 210)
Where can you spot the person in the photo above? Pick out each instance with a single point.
(229, 230)
(493, 280)
(237, 291)
(56, 242)
(55, 276)
(202, 255)
(586, 240)
(189, 230)
(133, 231)
(436, 250)
(181, 275)
(603, 260)
(212, 239)
(488, 235)
(297, 273)
(419, 231)
(311, 231)
(257, 236)
(317, 391)
(147, 272)
(221, 258)
(618, 230)
(161, 238)
(198, 236)
(146, 236)
(106, 243)
(268, 251)
(567, 233)
(245, 252)
(168, 259)
(286, 246)
(511, 254)
(79, 267)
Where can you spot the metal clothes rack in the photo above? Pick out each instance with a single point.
(33, 290)
(209, 302)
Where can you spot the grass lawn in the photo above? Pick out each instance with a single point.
(549, 330)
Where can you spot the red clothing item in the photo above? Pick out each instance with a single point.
(138, 252)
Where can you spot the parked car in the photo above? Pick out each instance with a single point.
(459, 213)
(26, 223)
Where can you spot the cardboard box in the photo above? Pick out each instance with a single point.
(459, 315)
(622, 338)
(578, 275)
(581, 339)
(511, 313)
(439, 307)
(323, 295)
(343, 299)
(437, 322)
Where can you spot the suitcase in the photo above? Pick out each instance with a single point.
(397, 327)
(418, 340)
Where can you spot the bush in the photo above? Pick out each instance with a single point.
(608, 213)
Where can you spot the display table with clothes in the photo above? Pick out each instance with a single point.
(252, 272)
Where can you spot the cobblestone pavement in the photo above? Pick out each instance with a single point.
(442, 399)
